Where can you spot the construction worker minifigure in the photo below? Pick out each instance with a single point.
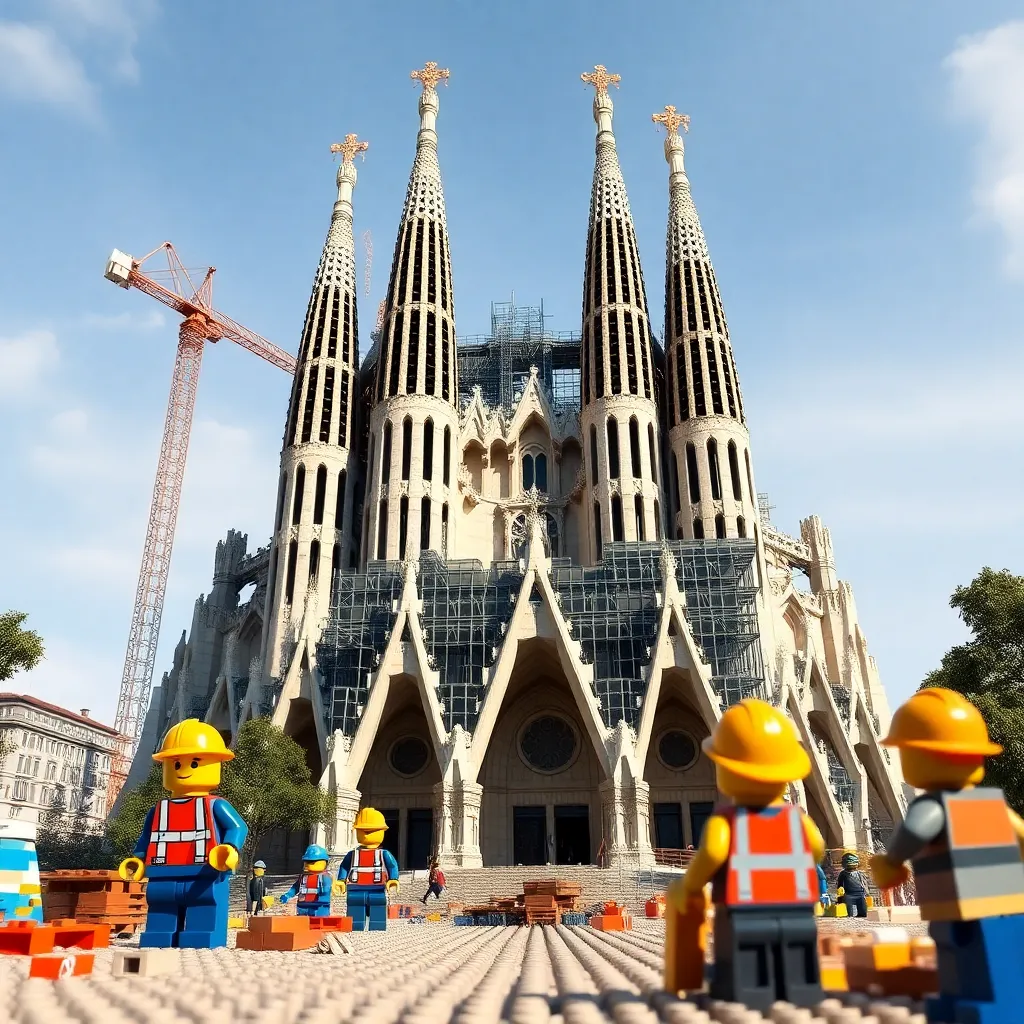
(189, 844)
(760, 854)
(315, 886)
(965, 846)
(257, 887)
(370, 872)
(852, 887)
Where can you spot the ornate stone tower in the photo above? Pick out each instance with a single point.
(312, 524)
(619, 413)
(411, 499)
(711, 477)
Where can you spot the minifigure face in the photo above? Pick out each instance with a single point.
(370, 838)
(747, 792)
(191, 774)
(259, 872)
(314, 865)
(923, 770)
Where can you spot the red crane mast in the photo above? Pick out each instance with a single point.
(200, 323)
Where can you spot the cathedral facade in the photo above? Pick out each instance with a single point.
(515, 580)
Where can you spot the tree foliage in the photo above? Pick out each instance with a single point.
(67, 841)
(989, 670)
(125, 827)
(20, 649)
(270, 785)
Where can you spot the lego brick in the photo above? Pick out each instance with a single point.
(266, 924)
(330, 924)
(55, 966)
(904, 915)
(574, 919)
(833, 974)
(879, 914)
(84, 936)
(608, 922)
(250, 940)
(288, 942)
(434, 917)
(26, 938)
(236, 922)
(393, 913)
(146, 963)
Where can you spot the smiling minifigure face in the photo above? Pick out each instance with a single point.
(259, 872)
(191, 775)
(309, 866)
(370, 838)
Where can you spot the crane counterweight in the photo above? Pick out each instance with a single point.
(119, 269)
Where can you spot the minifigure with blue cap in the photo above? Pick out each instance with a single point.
(314, 886)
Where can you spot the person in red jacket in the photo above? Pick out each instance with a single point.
(435, 881)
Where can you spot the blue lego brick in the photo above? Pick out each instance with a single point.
(463, 919)
(572, 918)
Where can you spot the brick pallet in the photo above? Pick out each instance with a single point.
(94, 897)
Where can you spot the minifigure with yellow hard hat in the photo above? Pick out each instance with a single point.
(189, 844)
(965, 846)
(370, 871)
(760, 854)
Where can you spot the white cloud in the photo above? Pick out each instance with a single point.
(988, 87)
(114, 24)
(152, 320)
(36, 65)
(25, 359)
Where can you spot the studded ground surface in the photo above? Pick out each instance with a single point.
(414, 974)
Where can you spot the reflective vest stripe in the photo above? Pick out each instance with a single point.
(743, 862)
(162, 834)
(309, 888)
(376, 866)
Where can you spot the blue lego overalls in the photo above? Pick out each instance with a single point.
(367, 899)
(187, 903)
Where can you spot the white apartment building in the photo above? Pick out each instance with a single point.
(56, 758)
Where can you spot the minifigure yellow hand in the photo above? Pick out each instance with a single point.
(338, 888)
(392, 886)
(886, 874)
(131, 869)
(268, 902)
(223, 858)
(840, 892)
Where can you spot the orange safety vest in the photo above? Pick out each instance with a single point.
(309, 888)
(183, 832)
(367, 867)
(770, 860)
(973, 867)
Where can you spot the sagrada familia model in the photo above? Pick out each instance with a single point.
(513, 582)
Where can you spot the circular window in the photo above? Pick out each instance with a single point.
(677, 749)
(409, 756)
(548, 744)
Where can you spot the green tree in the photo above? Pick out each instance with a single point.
(125, 827)
(989, 670)
(20, 649)
(66, 841)
(270, 785)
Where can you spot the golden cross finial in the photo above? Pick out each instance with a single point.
(349, 148)
(671, 120)
(430, 74)
(600, 79)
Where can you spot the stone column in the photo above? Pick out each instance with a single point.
(627, 830)
(457, 811)
(344, 836)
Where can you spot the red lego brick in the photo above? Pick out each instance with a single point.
(85, 936)
(330, 924)
(61, 965)
(26, 938)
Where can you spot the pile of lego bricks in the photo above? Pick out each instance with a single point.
(548, 901)
(881, 962)
(285, 934)
(39, 942)
(94, 897)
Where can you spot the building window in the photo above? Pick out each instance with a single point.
(691, 472)
(750, 477)
(300, 486)
(677, 750)
(734, 472)
(720, 527)
(428, 450)
(698, 529)
(634, 448)
(446, 454)
(385, 462)
(613, 448)
(548, 744)
(593, 455)
(657, 520)
(652, 451)
(425, 524)
(444, 530)
(713, 472)
(335, 562)
(527, 472)
(319, 495)
(597, 530)
(403, 525)
(617, 531)
(314, 561)
(406, 446)
(280, 502)
(339, 505)
(638, 511)
(382, 531)
(541, 467)
(741, 526)
(409, 756)
(289, 583)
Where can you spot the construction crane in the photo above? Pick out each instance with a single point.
(201, 323)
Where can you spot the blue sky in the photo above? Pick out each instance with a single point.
(860, 178)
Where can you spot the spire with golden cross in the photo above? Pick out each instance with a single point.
(430, 74)
(600, 79)
(349, 148)
(671, 120)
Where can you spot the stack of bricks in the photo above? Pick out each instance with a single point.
(888, 962)
(284, 934)
(94, 897)
(31, 939)
(616, 918)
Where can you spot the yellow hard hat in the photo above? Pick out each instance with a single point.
(191, 738)
(758, 742)
(369, 819)
(940, 721)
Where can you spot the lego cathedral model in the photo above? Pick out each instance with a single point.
(515, 580)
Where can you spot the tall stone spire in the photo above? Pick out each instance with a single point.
(619, 414)
(314, 508)
(712, 479)
(414, 424)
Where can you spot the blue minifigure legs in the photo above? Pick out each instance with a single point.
(980, 978)
(188, 912)
(368, 901)
(313, 909)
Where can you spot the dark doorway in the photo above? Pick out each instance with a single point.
(668, 826)
(572, 834)
(392, 836)
(699, 814)
(528, 826)
(421, 838)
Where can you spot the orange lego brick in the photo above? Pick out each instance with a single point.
(266, 924)
(833, 974)
(289, 941)
(330, 924)
(393, 912)
(85, 936)
(26, 938)
(61, 965)
(250, 940)
(608, 923)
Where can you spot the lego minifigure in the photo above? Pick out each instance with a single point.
(370, 872)
(189, 844)
(760, 854)
(852, 887)
(965, 846)
(257, 887)
(315, 886)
